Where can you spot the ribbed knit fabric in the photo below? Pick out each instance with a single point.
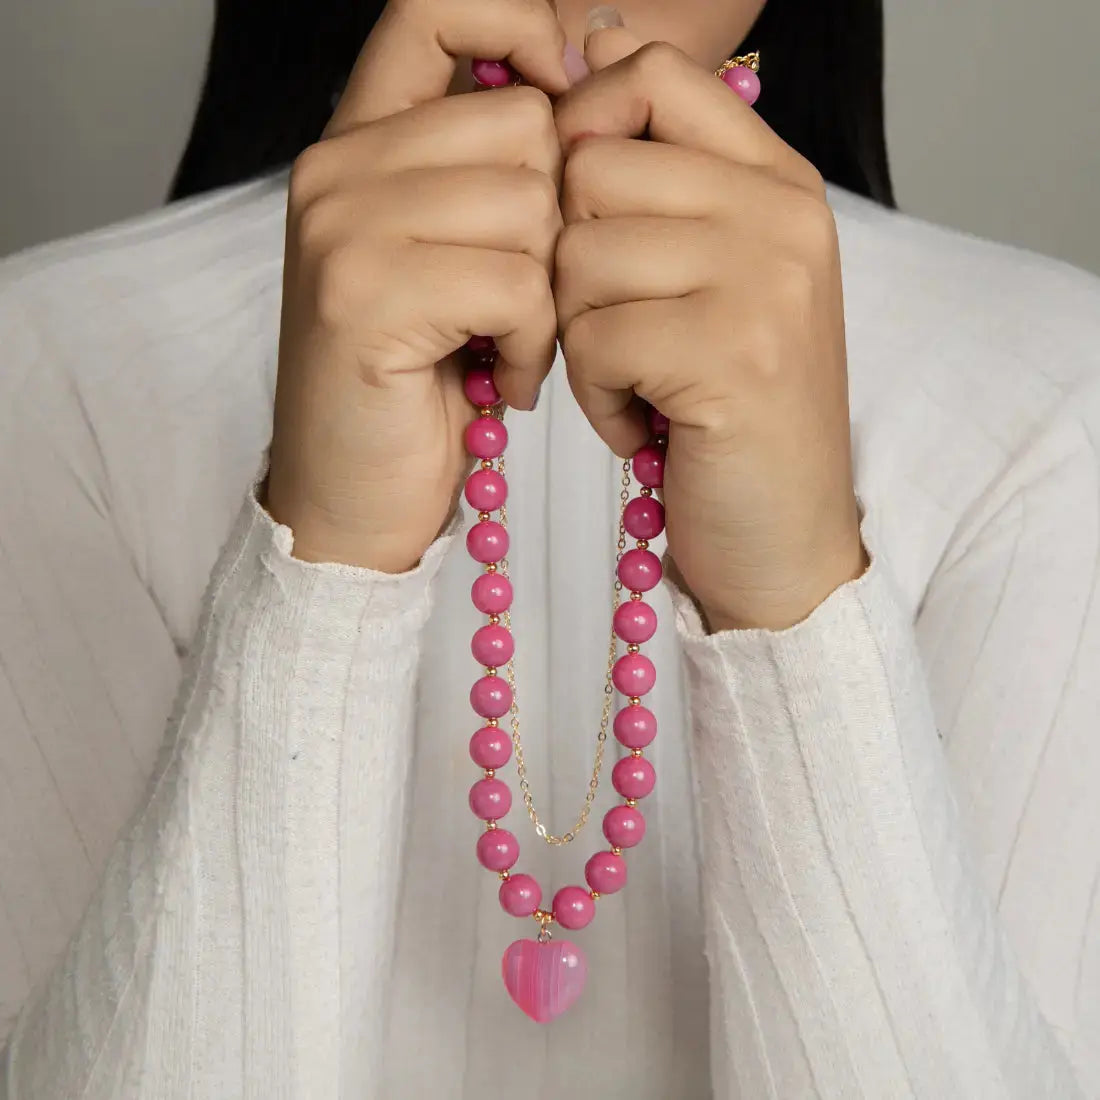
(872, 853)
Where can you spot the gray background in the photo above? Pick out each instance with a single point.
(993, 114)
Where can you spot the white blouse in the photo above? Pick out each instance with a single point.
(873, 850)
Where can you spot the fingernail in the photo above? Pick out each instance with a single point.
(576, 68)
(599, 19)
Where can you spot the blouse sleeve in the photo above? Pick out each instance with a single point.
(237, 945)
(899, 816)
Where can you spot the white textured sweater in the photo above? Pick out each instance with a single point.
(873, 848)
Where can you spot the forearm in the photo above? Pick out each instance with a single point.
(854, 951)
(233, 946)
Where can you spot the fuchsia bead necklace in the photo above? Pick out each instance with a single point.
(545, 976)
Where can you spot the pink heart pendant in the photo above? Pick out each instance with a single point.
(544, 979)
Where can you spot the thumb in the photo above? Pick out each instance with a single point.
(607, 40)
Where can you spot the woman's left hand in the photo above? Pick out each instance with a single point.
(700, 270)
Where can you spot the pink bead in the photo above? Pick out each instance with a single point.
(635, 727)
(520, 895)
(486, 490)
(481, 343)
(644, 518)
(744, 82)
(492, 593)
(490, 747)
(493, 646)
(639, 570)
(649, 466)
(486, 437)
(487, 541)
(493, 74)
(480, 388)
(573, 907)
(623, 826)
(491, 799)
(491, 697)
(658, 422)
(634, 674)
(497, 850)
(633, 777)
(635, 622)
(605, 873)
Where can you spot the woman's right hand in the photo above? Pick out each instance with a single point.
(417, 221)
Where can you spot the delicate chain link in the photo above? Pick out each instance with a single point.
(608, 690)
(747, 61)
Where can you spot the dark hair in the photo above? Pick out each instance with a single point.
(275, 69)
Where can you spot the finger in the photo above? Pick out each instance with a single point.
(510, 210)
(605, 263)
(512, 126)
(631, 350)
(505, 295)
(615, 177)
(659, 91)
(410, 55)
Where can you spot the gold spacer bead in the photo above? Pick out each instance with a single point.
(486, 410)
(543, 917)
(636, 596)
(492, 722)
(645, 491)
(490, 671)
(490, 773)
(616, 850)
(491, 567)
(635, 752)
(490, 826)
(483, 516)
(632, 802)
(504, 876)
(594, 895)
(633, 648)
(643, 544)
(635, 701)
(494, 620)
(486, 464)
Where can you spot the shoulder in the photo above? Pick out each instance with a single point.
(940, 287)
(975, 383)
(164, 276)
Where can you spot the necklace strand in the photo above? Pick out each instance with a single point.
(608, 691)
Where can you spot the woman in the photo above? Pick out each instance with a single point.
(871, 854)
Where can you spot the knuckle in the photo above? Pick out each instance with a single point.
(657, 59)
(580, 169)
(309, 175)
(813, 222)
(540, 201)
(811, 179)
(533, 110)
(334, 280)
(314, 226)
(578, 338)
(573, 246)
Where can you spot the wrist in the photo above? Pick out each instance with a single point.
(781, 609)
(317, 539)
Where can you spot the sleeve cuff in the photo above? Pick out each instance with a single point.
(351, 591)
(753, 642)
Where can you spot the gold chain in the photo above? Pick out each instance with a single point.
(608, 690)
(747, 61)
